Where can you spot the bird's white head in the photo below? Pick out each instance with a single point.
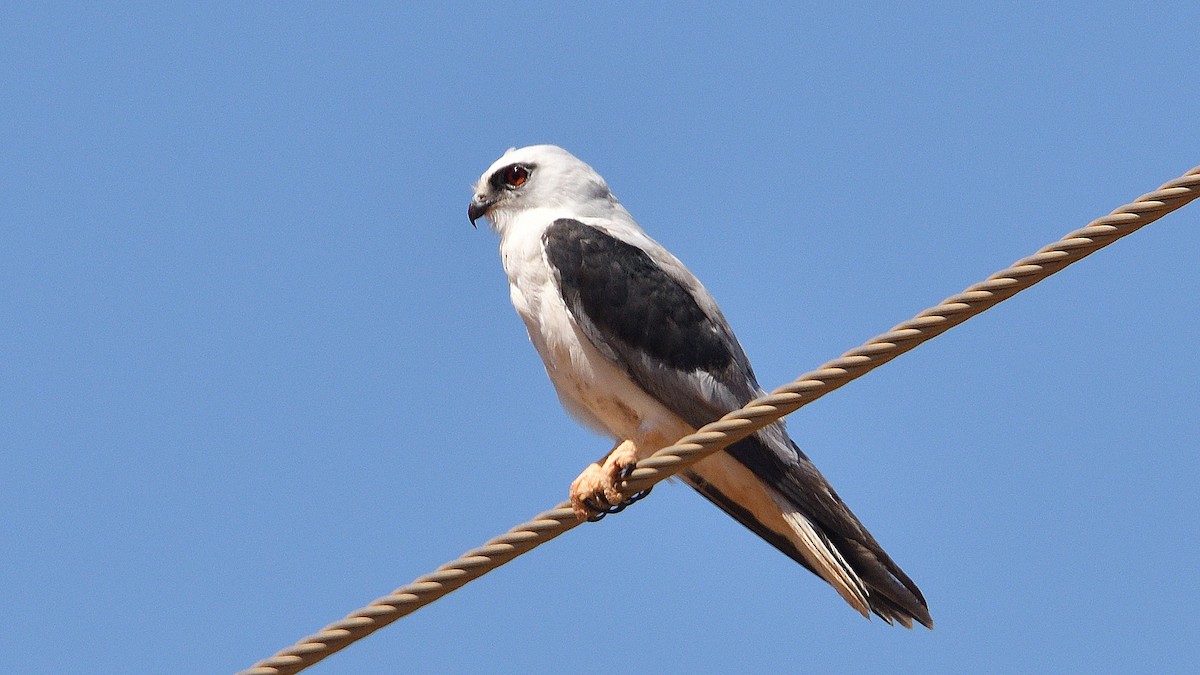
(539, 177)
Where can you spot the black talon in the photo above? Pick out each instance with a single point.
(629, 501)
(640, 495)
(601, 511)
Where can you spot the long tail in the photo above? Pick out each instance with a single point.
(792, 506)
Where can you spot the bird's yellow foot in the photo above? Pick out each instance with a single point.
(595, 490)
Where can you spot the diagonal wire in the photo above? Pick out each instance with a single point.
(741, 423)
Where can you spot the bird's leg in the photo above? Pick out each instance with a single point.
(596, 488)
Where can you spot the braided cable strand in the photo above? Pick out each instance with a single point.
(741, 423)
(925, 326)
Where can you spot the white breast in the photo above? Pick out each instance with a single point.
(592, 388)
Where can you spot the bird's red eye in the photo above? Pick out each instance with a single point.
(515, 175)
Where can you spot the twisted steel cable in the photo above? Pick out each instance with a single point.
(741, 423)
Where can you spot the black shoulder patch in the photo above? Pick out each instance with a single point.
(619, 290)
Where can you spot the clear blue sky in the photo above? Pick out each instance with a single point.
(256, 369)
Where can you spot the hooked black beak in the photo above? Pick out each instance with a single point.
(478, 208)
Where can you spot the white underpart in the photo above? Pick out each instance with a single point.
(593, 389)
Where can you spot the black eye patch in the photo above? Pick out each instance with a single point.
(511, 177)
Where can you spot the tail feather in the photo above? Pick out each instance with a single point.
(792, 507)
(893, 595)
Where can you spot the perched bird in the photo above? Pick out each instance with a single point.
(638, 350)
